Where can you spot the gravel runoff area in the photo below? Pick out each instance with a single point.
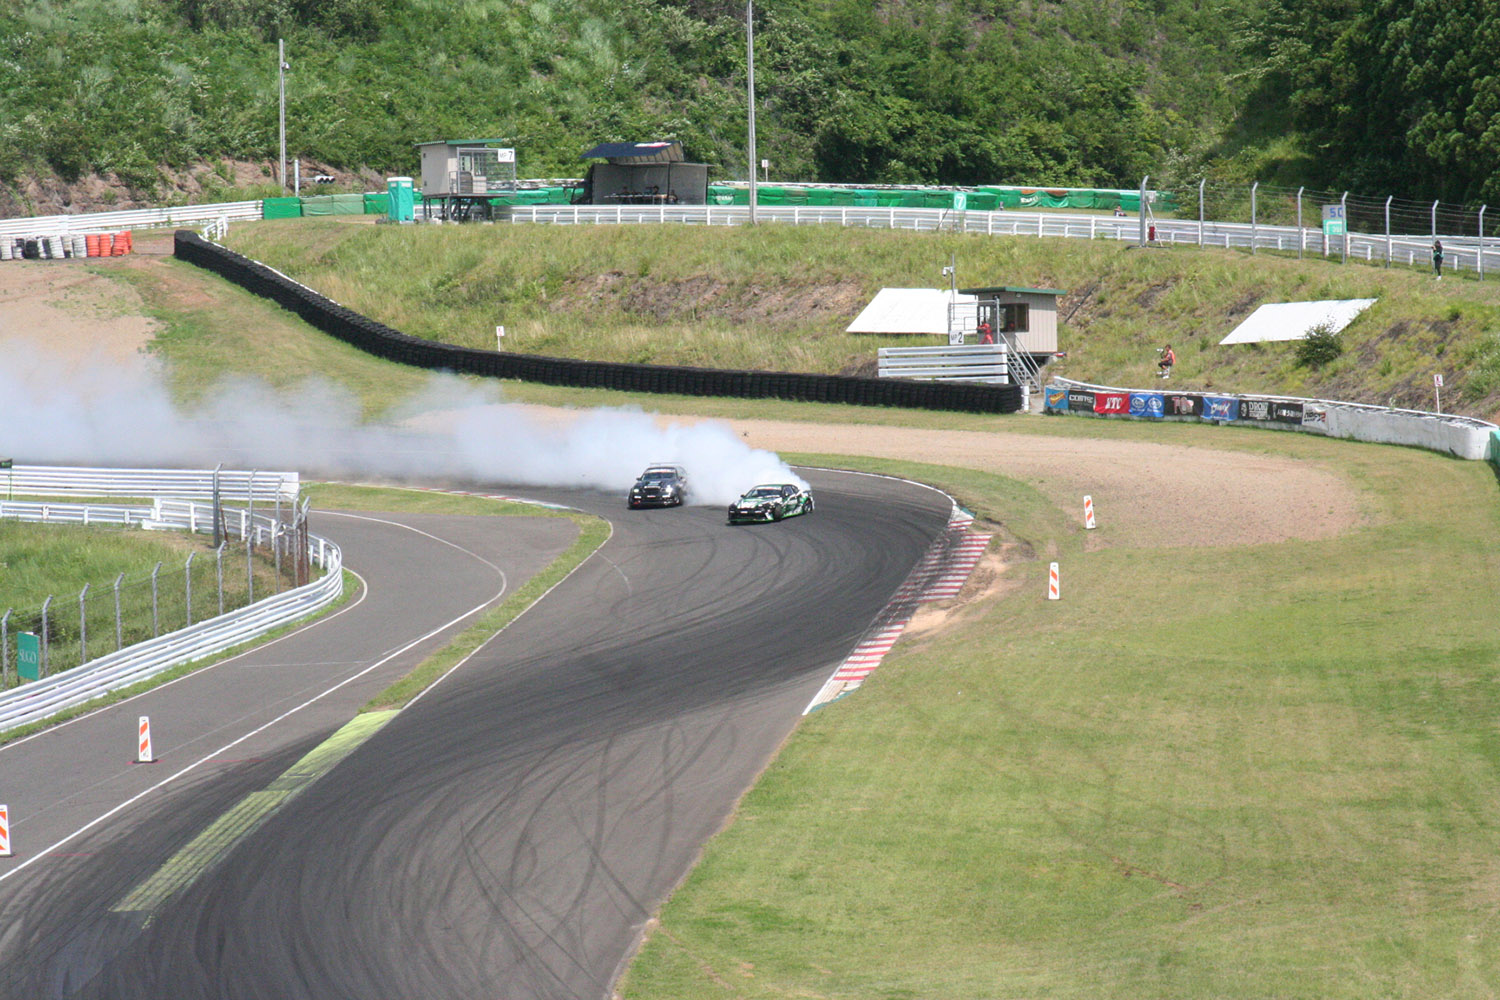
(1151, 495)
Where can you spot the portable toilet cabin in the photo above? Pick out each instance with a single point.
(644, 173)
(461, 176)
(401, 199)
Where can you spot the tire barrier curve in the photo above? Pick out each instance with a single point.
(384, 342)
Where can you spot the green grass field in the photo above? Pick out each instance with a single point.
(1257, 772)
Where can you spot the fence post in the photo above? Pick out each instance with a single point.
(219, 572)
(276, 539)
(1142, 241)
(249, 572)
(1481, 241)
(187, 572)
(119, 624)
(1301, 234)
(1387, 229)
(155, 617)
(83, 626)
(1434, 220)
(1344, 211)
(1254, 226)
(46, 636)
(1201, 182)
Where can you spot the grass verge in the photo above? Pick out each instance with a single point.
(1264, 771)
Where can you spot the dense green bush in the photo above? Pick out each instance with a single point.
(1320, 347)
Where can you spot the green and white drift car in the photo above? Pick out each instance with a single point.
(771, 502)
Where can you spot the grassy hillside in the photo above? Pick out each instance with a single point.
(1068, 92)
(779, 297)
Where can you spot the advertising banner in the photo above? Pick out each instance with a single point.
(1286, 413)
(1057, 399)
(1179, 405)
(1146, 404)
(1081, 400)
(1255, 409)
(29, 656)
(1220, 408)
(1314, 415)
(1115, 404)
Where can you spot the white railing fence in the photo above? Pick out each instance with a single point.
(1461, 253)
(141, 218)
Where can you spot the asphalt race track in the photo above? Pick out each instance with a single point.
(510, 832)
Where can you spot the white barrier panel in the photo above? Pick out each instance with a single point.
(197, 484)
(1459, 436)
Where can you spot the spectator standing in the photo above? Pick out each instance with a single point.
(1168, 359)
(1437, 257)
(986, 334)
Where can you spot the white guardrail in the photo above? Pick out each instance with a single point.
(193, 484)
(143, 218)
(1460, 252)
(1462, 437)
(958, 362)
(38, 700)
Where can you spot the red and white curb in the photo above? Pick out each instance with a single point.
(939, 575)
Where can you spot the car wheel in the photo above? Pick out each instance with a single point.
(777, 514)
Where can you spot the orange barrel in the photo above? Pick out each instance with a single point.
(106, 244)
(118, 247)
(92, 239)
(129, 241)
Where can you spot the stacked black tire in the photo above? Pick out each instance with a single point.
(392, 345)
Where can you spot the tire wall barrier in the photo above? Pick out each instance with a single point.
(1462, 437)
(392, 345)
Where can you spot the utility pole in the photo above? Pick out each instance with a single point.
(750, 85)
(281, 68)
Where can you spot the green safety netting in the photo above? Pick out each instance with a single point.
(334, 204)
(281, 208)
(983, 199)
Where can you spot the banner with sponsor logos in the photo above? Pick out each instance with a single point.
(1146, 404)
(1081, 400)
(1465, 437)
(1286, 412)
(1221, 408)
(1255, 409)
(1112, 403)
(1176, 404)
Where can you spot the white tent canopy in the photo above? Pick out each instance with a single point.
(907, 311)
(1295, 320)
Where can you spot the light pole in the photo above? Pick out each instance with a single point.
(281, 68)
(750, 85)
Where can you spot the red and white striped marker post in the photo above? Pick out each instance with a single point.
(145, 755)
(1053, 592)
(1088, 512)
(4, 831)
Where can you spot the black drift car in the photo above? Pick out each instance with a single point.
(659, 486)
